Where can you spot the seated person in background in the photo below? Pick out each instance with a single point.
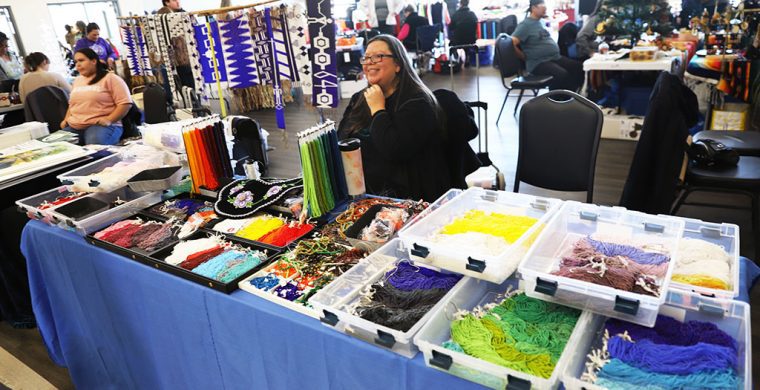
(463, 29)
(38, 76)
(541, 54)
(10, 65)
(408, 33)
(585, 42)
(99, 45)
(399, 123)
(99, 100)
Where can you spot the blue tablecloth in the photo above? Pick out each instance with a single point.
(116, 323)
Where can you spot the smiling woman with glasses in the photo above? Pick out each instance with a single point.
(399, 123)
(10, 65)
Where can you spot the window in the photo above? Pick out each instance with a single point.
(101, 12)
(8, 26)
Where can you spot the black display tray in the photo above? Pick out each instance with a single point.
(156, 260)
(132, 253)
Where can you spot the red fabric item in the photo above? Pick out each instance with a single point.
(403, 33)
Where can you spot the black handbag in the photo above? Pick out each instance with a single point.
(709, 153)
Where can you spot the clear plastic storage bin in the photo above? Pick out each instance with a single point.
(471, 260)
(477, 293)
(333, 301)
(82, 178)
(725, 235)
(120, 204)
(576, 220)
(732, 317)
(31, 205)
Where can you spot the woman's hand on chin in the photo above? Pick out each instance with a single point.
(375, 98)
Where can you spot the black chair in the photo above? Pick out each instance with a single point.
(743, 179)
(47, 104)
(746, 143)
(509, 67)
(508, 24)
(131, 120)
(552, 154)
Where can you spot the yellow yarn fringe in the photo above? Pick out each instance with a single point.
(259, 227)
(508, 227)
(701, 280)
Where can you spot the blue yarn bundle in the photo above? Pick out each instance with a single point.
(672, 359)
(408, 277)
(689, 355)
(635, 254)
(618, 375)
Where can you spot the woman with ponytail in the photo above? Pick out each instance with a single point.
(99, 99)
(37, 76)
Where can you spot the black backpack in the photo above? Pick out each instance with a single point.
(248, 144)
(709, 153)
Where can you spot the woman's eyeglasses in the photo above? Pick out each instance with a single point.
(374, 59)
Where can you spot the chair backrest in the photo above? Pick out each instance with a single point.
(47, 104)
(508, 24)
(426, 36)
(509, 63)
(155, 103)
(566, 37)
(559, 138)
(131, 120)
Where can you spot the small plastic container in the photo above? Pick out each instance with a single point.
(157, 179)
(31, 205)
(245, 285)
(82, 178)
(354, 232)
(732, 317)
(163, 137)
(576, 220)
(333, 301)
(119, 204)
(437, 330)
(469, 260)
(725, 235)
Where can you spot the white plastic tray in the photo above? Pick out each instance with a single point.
(576, 220)
(470, 260)
(333, 301)
(725, 235)
(733, 317)
(437, 330)
(133, 202)
(30, 205)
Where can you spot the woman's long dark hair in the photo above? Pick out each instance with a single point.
(101, 69)
(34, 60)
(408, 85)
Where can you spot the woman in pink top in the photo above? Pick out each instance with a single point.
(99, 100)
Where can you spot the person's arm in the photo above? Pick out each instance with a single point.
(518, 50)
(22, 89)
(65, 120)
(121, 98)
(585, 42)
(401, 136)
(404, 32)
(61, 83)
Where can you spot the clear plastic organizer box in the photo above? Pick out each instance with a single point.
(82, 178)
(129, 203)
(732, 317)
(725, 235)
(471, 260)
(577, 220)
(334, 301)
(31, 205)
(437, 330)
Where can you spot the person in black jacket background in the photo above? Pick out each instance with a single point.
(408, 32)
(400, 126)
(463, 29)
